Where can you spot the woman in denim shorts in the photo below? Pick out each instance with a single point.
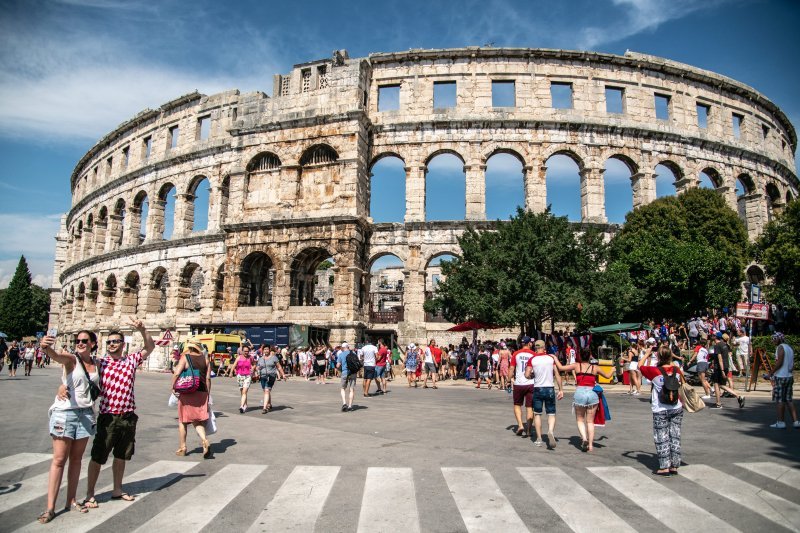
(72, 420)
(586, 400)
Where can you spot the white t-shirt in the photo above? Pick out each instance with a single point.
(30, 353)
(702, 355)
(742, 345)
(542, 365)
(302, 357)
(785, 371)
(428, 355)
(369, 351)
(519, 360)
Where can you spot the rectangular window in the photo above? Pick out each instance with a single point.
(503, 93)
(703, 112)
(561, 95)
(126, 155)
(662, 106)
(147, 146)
(285, 85)
(203, 128)
(234, 114)
(109, 165)
(737, 123)
(306, 79)
(322, 77)
(615, 100)
(765, 130)
(96, 172)
(444, 94)
(174, 132)
(388, 98)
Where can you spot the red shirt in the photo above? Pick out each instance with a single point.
(383, 355)
(436, 352)
(118, 376)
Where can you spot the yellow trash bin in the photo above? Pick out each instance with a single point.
(607, 364)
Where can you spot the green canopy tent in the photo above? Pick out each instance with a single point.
(620, 328)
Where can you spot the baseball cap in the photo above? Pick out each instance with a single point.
(539, 344)
(725, 336)
(526, 339)
(719, 334)
(650, 340)
(345, 345)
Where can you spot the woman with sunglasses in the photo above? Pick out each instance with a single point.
(193, 406)
(72, 419)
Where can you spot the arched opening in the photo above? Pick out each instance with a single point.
(754, 275)
(445, 188)
(710, 179)
(142, 206)
(130, 294)
(433, 276)
(789, 196)
(319, 154)
(110, 294)
(80, 302)
(773, 197)
(257, 281)
(197, 210)
(667, 174)
(617, 189)
(166, 197)
(91, 296)
(224, 195)
(78, 242)
(386, 289)
(118, 225)
(313, 275)
(100, 231)
(505, 185)
(263, 162)
(387, 190)
(263, 180)
(219, 287)
(191, 283)
(563, 184)
(159, 285)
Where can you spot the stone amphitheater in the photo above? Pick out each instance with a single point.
(288, 180)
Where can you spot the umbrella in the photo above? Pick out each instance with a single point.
(620, 327)
(471, 325)
(3, 335)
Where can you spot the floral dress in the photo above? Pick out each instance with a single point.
(411, 360)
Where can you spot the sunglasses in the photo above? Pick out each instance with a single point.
(82, 341)
(114, 341)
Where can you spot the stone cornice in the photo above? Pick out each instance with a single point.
(631, 60)
(142, 248)
(298, 122)
(296, 223)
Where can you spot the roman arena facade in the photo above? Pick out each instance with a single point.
(288, 180)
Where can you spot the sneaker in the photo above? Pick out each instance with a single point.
(636, 393)
(344, 407)
(706, 397)
(715, 407)
(551, 441)
(796, 424)
(241, 409)
(779, 425)
(538, 443)
(741, 401)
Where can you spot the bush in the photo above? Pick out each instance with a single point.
(765, 342)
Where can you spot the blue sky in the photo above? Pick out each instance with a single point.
(72, 70)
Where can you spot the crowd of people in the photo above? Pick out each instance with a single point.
(27, 354)
(533, 371)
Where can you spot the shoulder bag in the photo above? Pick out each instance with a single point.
(94, 389)
(189, 379)
(689, 397)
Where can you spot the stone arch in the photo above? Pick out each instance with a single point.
(319, 154)
(219, 287)
(745, 185)
(772, 195)
(118, 224)
(257, 280)
(130, 293)
(190, 286)
(445, 178)
(386, 286)
(501, 149)
(164, 211)
(578, 157)
(109, 295)
(140, 210)
(563, 183)
(619, 175)
(383, 155)
(303, 275)
(504, 184)
(755, 274)
(264, 161)
(433, 272)
(224, 197)
(159, 287)
(667, 177)
(633, 166)
(198, 203)
(710, 178)
(789, 196)
(387, 202)
(443, 151)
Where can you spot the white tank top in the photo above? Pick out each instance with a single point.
(785, 371)
(78, 388)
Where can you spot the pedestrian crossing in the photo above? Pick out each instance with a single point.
(581, 499)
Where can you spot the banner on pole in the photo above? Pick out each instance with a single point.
(752, 311)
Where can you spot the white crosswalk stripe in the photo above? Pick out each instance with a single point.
(301, 497)
(389, 499)
(140, 484)
(22, 460)
(482, 505)
(659, 501)
(580, 510)
(780, 473)
(769, 505)
(389, 502)
(196, 509)
(36, 487)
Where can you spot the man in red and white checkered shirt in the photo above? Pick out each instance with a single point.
(116, 423)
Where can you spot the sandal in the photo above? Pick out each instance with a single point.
(181, 452)
(663, 473)
(76, 506)
(584, 445)
(206, 449)
(124, 497)
(46, 517)
(90, 503)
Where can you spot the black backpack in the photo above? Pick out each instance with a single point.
(353, 363)
(669, 390)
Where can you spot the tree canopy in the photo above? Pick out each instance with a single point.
(779, 251)
(683, 253)
(528, 270)
(23, 306)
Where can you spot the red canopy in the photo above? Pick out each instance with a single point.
(472, 325)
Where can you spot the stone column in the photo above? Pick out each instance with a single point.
(217, 208)
(115, 233)
(729, 193)
(755, 211)
(155, 221)
(593, 207)
(99, 241)
(349, 288)
(236, 197)
(684, 184)
(282, 290)
(131, 232)
(414, 296)
(289, 184)
(87, 243)
(643, 185)
(475, 192)
(184, 215)
(415, 193)
(535, 179)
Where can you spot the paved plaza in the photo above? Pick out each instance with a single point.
(441, 460)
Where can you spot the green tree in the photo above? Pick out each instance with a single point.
(529, 270)
(16, 309)
(683, 253)
(40, 304)
(779, 250)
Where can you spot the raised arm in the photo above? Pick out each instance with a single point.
(62, 357)
(149, 343)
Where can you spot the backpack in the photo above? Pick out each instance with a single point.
(353, 363)
(669, 390)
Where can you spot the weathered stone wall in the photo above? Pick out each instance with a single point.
(289, 179)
